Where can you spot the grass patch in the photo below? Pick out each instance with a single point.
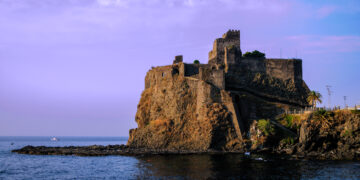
(323, 118)
(287, 120)
(266, 127)
(288, 140)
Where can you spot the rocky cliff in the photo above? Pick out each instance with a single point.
(200, 107)
(170, 116)
(316, 135)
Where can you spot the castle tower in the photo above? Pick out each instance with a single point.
(230, 41)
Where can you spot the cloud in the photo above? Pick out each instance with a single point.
(266, 5)
(325, 11)
(145, 3)
(326, 44)
(118, 3)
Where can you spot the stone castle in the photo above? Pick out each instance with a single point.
(235, 89)
(226, 64)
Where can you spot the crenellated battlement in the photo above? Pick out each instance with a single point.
(232, 34)
(229, 40)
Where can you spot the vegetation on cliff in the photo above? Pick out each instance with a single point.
(320, 135)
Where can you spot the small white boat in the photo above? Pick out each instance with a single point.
(54, 139)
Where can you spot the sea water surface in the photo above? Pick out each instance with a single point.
(230, 166)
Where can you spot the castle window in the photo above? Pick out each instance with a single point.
(175, 71)
(163, 74)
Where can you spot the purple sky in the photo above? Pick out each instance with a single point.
(77, 67)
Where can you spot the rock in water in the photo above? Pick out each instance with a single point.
(199, 107)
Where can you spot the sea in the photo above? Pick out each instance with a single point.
(225, 166)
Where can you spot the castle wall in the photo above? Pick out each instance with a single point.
(215, 77)
(284, 68)
(158, 74)
(253, 65)
(204, 72)
(191, 70)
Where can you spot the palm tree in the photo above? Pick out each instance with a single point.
(314, 97)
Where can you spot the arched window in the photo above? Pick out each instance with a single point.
(175, 71)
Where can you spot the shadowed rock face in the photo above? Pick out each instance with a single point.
(329, 135)
(171, 116)
(211, 106)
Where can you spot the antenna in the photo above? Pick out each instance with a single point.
(240, 40)
(329, 93)
(345, 102)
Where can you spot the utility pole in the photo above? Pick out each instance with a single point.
(345, 102)
(329, 94)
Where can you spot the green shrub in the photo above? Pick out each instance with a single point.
(266, 127)
(288, 140)
(347, 133)
(196, 61)
(247, 54)
(320, 112)
(323, 113)
(254, 54)
(355, 111)
(289, 120)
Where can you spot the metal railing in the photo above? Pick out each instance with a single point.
(312, 109)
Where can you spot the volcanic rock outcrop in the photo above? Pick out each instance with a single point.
(199, 107)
